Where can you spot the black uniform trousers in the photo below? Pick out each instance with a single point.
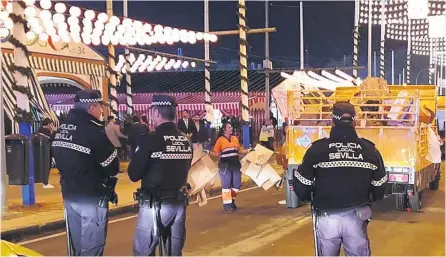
(87, 224)
(173, 218)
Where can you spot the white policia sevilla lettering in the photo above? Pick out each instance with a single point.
(345, 151)
(65, 132)
(176, 144)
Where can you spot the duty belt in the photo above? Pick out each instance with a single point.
(150, 197)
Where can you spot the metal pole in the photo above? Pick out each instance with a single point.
(25, 128)
(111, 64)
(399, 79)
(128, 77)
(4, 189)
(207, 72)
(431, 54)
(374, 63)
(244, 71)
(403, 76)
(393, 67)
(409, 51)
(382, 60)
(302, 52)
(267, 67)
(356, 42)
(370, 39)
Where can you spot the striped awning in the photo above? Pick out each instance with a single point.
(39, 101)
(62, 65)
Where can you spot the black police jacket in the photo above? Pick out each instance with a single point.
(162, 159)
(84, 156)
(343, 173)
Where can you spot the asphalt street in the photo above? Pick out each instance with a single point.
(261, 226)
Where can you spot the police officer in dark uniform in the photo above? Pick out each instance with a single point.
(161, 161)
(87, 162)
(344, 174)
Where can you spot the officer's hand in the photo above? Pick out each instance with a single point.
(206, 151)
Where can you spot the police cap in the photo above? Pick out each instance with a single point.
(343, 112)
(89, 96)
(163, 101)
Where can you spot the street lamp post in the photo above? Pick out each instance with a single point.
(427, 69)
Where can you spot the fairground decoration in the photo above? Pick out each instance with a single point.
(59, 22)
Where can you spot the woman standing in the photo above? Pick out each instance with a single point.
(227, 147)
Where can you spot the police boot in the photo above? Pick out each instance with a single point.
(233, 205)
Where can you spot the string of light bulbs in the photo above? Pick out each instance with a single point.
(149, 63)
(396, 12)
(60, 23)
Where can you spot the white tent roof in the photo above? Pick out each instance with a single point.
(308, 80)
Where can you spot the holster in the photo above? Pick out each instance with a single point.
(110, 194)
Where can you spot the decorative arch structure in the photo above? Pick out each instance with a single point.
(74, 61)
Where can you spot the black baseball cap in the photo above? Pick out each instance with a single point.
(163, 101)
(89, 96)
(343, 112)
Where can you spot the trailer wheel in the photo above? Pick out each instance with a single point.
(415, 201)
(401, 202)
(434, 184)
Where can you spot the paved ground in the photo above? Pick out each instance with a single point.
(263, 227)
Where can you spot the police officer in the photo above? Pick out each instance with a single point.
(86, 159)
(161, 161)
(345, 173)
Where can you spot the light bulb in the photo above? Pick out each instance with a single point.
(38, 29)
(137, 25)
(147, 27)
(206, 37)
(58, 18)
(30, 12)
(192, 37)
(127, 22)
(30, 35)
(213, 38)
(114, 40)
(86, 40)
(62, 26)
(77, 39)
(114, 20)
(103, 17)
(99, 25)
(87, 22)
(75, 11)
(185, 64)
(51, 31)
(158, 29)
(30, 2)
(192, 64)
(66, 39)
(55, 38)
(45, 4)
(72, 20)
(141, 41)
(43, 36)
(89, 14)
(60, 7)
(199, 36)
(34, 22)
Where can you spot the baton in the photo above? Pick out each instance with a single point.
(69, 245)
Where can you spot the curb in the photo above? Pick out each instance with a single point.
(34, 231)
